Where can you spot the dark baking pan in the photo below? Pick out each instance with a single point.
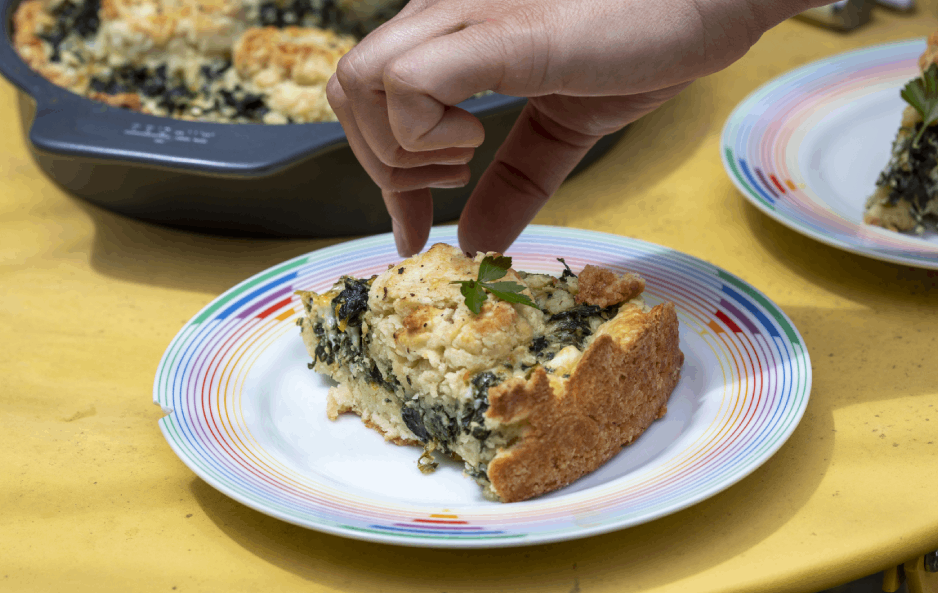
(286, 180)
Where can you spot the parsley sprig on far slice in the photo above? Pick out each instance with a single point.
(492, 268)
(922, 94)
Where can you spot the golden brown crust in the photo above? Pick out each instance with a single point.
(619, 388)
(124, 100)
(602, 287)
(305, 55)
(29, 21)
(147, 25)
(287, 67)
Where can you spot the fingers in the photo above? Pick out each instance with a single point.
(411, 218)
(536, 157)
(395, 95)
(409, 175)
(475, 55)
(533, 48)
(361, 74)
(403, 189)
(403, 174)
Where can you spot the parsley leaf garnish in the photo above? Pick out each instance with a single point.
(492, 268)
(922, 94)
(474, 295)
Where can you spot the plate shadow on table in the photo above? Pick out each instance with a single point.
(858, 278)
(656, 548)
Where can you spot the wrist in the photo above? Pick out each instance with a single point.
(731, 27)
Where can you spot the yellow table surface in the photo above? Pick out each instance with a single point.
(93, 499)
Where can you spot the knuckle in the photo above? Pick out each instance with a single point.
(409, 139)
(401, 80)
(519, 181)
(401, 77)
(350, 72)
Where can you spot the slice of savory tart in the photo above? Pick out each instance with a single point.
(906, 195)
(531, 394)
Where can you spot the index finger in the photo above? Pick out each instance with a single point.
(528, 168)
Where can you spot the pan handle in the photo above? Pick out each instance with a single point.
(75, 126)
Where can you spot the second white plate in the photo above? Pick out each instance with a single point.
(807, 148)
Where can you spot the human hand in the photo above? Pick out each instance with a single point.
(589, 67)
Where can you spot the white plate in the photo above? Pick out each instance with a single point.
(248, 417)
(807, 147)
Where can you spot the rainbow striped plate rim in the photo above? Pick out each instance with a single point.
(245, 414)
(807, 147)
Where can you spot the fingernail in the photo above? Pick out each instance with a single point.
(460, 160)
(454, 183)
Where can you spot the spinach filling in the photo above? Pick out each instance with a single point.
(567, 272)
(436, 423)
(79, 17)
(296, 13)
(570, 328)
(250, 106)
(342, 340)
(913, 178)
(170, 92)
(352, 302)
